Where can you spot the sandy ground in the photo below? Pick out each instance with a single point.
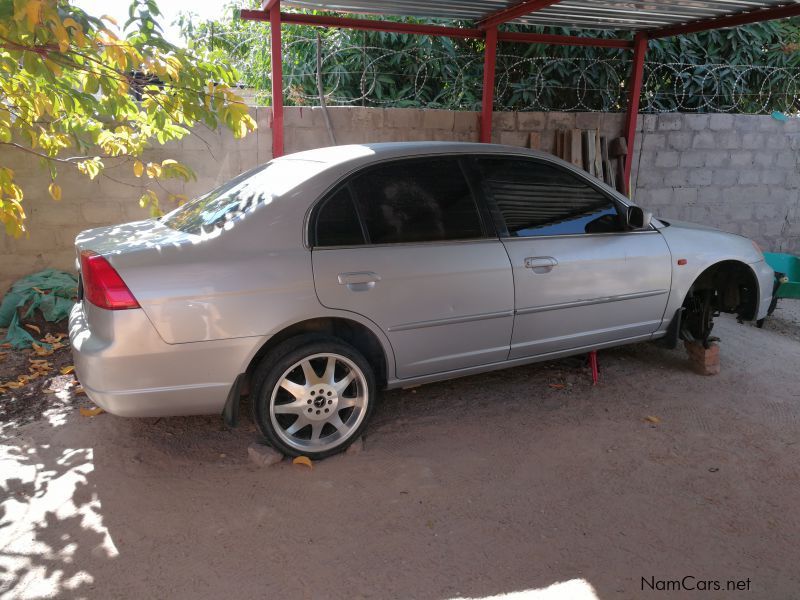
(527, 482)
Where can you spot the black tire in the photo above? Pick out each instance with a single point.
(273, 369)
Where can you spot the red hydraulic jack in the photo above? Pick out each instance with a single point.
(593, 365)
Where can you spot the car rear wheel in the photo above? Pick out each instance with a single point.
(314, 396)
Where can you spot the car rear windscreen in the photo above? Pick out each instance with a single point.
(222, 207)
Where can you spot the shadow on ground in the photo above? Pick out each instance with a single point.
(494, 484)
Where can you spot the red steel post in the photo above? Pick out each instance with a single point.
(277, 78)
(487, 99)
(637, 75)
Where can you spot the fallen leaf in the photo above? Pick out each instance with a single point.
(6, 345)
(91, 412)
(40, 350)
(652, 419)
(33, 328)
(557, 386)
(78, 391)
(67, 370)
(14, 385)
(303, 460)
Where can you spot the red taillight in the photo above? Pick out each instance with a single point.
(102, 285)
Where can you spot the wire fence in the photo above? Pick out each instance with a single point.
(423, 76)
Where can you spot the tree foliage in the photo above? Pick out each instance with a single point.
(75, 95)
(701, 71)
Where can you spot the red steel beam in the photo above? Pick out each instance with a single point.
(487, 99)
(508, 36)
(562, 40)
(276, 65)
(636, 78)
(363, 24)
(505, 15)
(752, 16)
(415, 29)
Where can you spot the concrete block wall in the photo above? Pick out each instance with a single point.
(738, 173)
(305, 127)
(216, 156)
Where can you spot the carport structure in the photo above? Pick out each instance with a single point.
(643, 19)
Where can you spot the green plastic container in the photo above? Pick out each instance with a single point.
(790, 266)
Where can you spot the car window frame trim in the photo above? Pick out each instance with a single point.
(586, 178)
(487, 224)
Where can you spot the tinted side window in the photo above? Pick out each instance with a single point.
(337, 222)
(535, 198)
(417, 201)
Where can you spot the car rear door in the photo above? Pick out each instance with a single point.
(406, 245)
(580, 277)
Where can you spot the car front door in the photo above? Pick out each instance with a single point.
(406, 245)
(580, 277)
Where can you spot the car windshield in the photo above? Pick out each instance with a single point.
(220, 208)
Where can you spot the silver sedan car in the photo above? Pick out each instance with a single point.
(319, 278)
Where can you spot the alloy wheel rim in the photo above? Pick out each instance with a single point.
(319, 402)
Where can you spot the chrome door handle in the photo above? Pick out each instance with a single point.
(540, 264)
(359, 282)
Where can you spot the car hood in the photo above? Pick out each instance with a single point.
(708, 245)
(688, 225)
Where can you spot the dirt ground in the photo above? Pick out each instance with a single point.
(528, 482)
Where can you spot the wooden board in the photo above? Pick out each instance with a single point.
(576, 154)
(618, 147)
(587, 151)
(598, 155)
(608, 174)
(620, 176)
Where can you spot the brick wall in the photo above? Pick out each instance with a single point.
(734, 172)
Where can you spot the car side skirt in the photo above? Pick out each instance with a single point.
(415, 381)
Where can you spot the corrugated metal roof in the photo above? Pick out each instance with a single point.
(593, 14)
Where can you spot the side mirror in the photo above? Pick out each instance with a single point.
(638, 218)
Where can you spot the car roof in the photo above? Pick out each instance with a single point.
(361, 154)
(330, 164)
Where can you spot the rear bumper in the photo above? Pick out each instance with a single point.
(766, 281)
(128, 370)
